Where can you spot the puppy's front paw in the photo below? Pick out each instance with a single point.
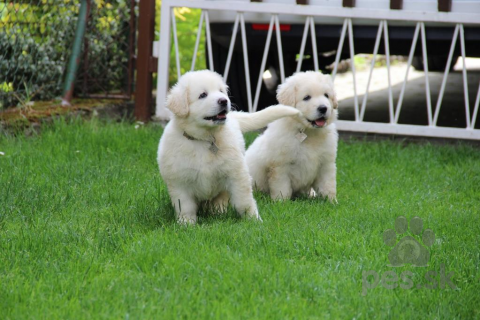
(331, 195)
(258, 218)
(187, 220)
(254, 215)
(333, 200)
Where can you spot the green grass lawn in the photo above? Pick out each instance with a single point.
(87, 231)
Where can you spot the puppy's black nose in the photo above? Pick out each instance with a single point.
(222, 102)
(322, 109)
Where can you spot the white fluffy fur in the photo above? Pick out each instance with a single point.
(283, 165)
(192, 172)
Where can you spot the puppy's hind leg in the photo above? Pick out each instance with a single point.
(240, 189)
(185, 207)
(308, 192)
(220, 202)
(326, 182)
(279, 184)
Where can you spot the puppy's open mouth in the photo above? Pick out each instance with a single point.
(221, 117)
(319, 123)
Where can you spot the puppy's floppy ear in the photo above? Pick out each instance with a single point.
(334, 100)
(177, 101)
(333, 95)
(286, 93)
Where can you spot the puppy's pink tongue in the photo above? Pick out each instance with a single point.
(320, 122)
(222, 116)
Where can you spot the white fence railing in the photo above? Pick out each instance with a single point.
(308, 13)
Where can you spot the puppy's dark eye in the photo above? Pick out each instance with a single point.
(203, 95)
(326, 95)
(307, 98)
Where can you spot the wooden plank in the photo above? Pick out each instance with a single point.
(445, 5)
(396, 4)
(153, 64)
(146, 27)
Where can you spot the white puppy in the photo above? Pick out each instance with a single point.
(201, 152)
(296, 155)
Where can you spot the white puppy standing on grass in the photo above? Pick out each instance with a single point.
(296, 155)
(201, 152)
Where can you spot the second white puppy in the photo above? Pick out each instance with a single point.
(296, 155)
(201, 152)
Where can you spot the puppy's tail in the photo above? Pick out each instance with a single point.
(254, 121)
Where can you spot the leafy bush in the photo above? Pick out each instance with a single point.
(107, 36)
(36, 44)
(32, 48)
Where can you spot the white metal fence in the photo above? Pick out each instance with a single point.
(308, 13)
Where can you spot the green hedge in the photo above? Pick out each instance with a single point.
(35, 45)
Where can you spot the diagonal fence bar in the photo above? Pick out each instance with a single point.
(232, 45)
(245, 60)
(387, 54)
(464, 74)
(280, 49)
(197, 41)
(425, 69)
(264, 61)
(209, 42)
(375, 51)
(409, 65)
(352, 66)
(475, 109)
(314, 44)
(302, 45)
(445, 76)
(340, 47)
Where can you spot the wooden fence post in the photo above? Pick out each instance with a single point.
(146, 29)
